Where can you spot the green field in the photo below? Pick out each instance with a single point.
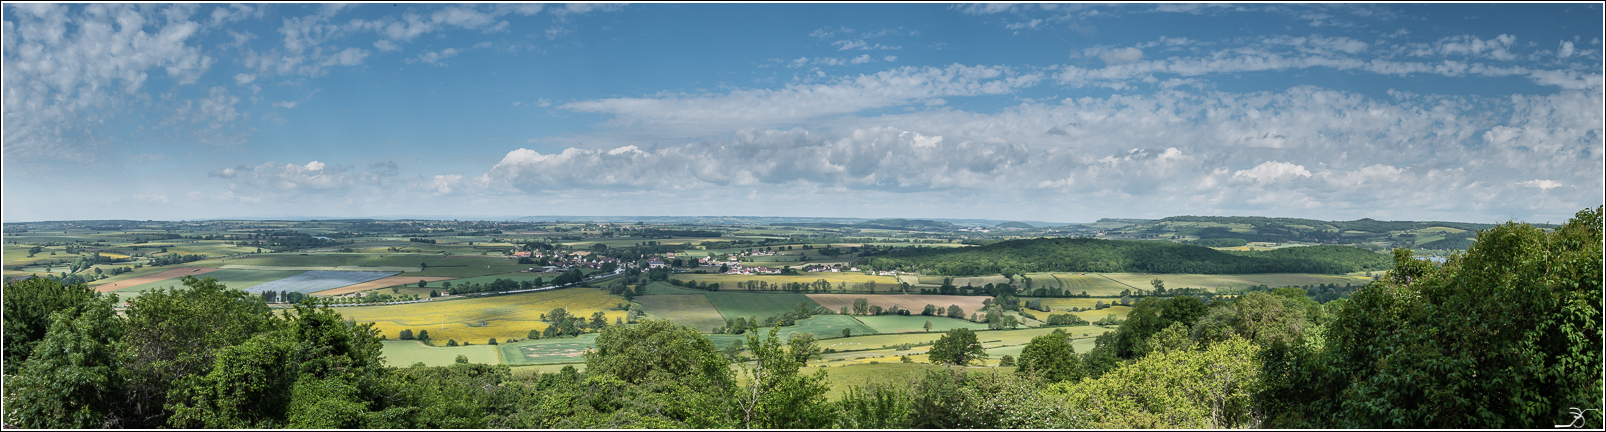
(405, 353)
(692, 310)
(915, 323)
(560, 350)
(237, 279)
(662, 288)
(732, 305)
(1120, 313)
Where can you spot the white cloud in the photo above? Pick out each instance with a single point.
(1272, 171)
(244, 78)
(861, 59)
(1123, 55)
(798, 102)
(285, 104)
(435, 57)
(1541, 184)
(890, 58)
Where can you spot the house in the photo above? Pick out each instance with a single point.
(655, 262)
(521, 254)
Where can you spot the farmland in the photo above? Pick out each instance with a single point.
(237, 279)
(692, 310)
(479, 319)
(382, 283)
(732, 305)
(915, 323)
(728, 282)
(158, 277)
(913, 302)
(315, 281)
(405, 353)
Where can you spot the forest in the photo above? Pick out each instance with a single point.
(1506, 335)
(1094, 255)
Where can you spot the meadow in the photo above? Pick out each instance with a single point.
(558, 350)
(728, 282)
(1234, 281)
(479, 319)
(173, 273)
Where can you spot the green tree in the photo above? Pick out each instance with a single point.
(1006, 361)
(803, 347)
(1211, 389)
(958, 347)
(1507, 335)
(777, 396)
(928, 324)
(72, 379)
(876, 405)
(666, 372)
(1052, 357)
(422, 283)
(847, 332)
(861, 306)
(28, 306)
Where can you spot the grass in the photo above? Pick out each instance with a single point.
(478, 319)
(404, 353)
(1120, 313)
(732, 305)
(559, 350)
(692, 310)
(915, 323)
(916, 303)
(661, 288)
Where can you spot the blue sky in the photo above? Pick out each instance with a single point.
(1055, 112)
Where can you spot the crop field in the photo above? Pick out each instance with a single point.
(1065, 304)
(915, 323)
(237, 279)
(334, 260)
(315, 281)
(404, 353)
(516, 277)
(732, 305)
(821, 326)
(560, 350)
(661, 288)
(382, 283)
(478, 319)
(1094, 284)
(158, 277)
(692, 310)
(913, 302)
(1120, 313)
(1234, 281)
(728, 282)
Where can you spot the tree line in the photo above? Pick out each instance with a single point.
(1116, 256)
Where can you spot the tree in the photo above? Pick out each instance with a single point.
(1212, 389)
(1505, 336)
(958, 347)
(667, 371)
(847, 332)
(929, 310)
(422, 282)
(423, 335)
(954, 311)
(777, 396)
(71, 379)
(599, 319)
(861, 306)
(534, 334)
(928, 324)
(1006, 361)
(1159, 286)
(28, 306)
(1052, 357)
(803, 347)
(876, 405)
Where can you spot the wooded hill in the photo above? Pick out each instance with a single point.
(1094, 255)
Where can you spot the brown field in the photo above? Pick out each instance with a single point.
(913, 302)
(170, 274)
(382, 283)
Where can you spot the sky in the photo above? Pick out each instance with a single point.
(1047, 112)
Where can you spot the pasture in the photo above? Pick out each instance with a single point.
(315, 281)
(662, 288)
(915, 323)
(480, 318)
(1120, 313)
(732, 305)
(401, 353)
(915, 303)
(821, 326)
(516, 277)
(691, 310)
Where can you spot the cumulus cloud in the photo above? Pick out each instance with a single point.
(62, 76)
(1269, 171)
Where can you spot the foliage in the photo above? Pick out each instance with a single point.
(958, 347)
(1051, 357)
(777, 396)
(1179, 389)
(28, 306)
(72, 380)
(876, 405)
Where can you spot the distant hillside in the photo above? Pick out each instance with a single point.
(1094, 255)
(1220, 231)
(1015, 225)
(907, 224)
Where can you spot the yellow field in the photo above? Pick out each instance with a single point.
(509, 316)
(728, 282)
(1095, 315)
